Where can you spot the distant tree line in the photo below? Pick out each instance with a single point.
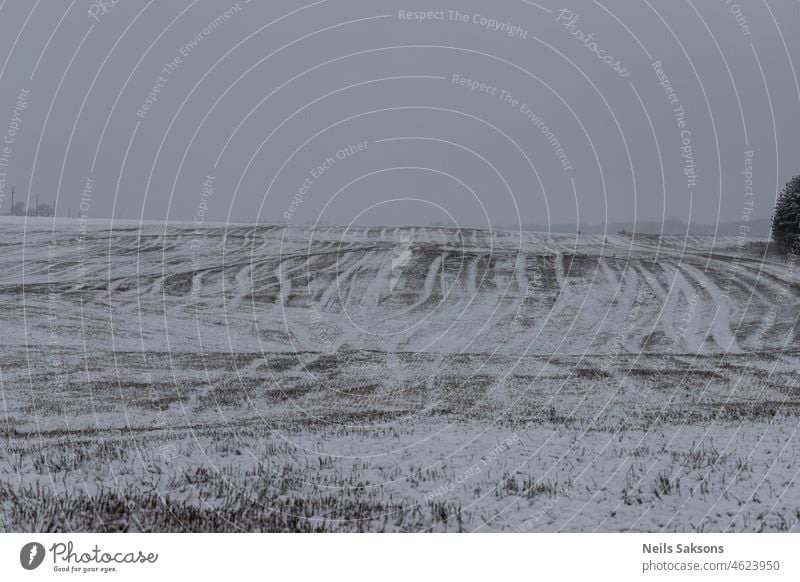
(22, 208)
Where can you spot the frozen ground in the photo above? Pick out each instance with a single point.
(377, 379)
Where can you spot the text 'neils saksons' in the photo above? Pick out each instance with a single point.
(663, 548)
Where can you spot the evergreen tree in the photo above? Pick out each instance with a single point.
(786, 220)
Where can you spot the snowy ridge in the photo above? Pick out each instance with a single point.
(439, 290)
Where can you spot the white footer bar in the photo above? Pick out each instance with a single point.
(372, 557)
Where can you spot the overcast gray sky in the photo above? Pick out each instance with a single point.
(253, 97)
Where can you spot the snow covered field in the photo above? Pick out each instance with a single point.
(168, 378)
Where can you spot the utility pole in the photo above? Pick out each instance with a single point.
(36, 212)
(12, 200)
